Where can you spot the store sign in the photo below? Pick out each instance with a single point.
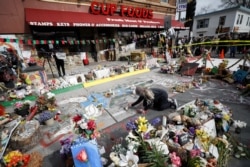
(109, 23)
(99, 8)
(181, 5)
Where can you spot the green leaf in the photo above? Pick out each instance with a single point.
(240, 148)
(243, 154)
(237, 155)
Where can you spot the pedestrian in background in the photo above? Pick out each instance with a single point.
(59, 59)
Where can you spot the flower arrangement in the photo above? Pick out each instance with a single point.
(175, 160)
(239, 124)
(47, 101)
(144, 145)
(85, 127)
(225, 150)
(22, 104)
(16, 159)
(45, 115)
(65, 147)
(22, 107)
(204, 138)
(139, 125)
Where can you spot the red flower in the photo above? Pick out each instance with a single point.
(91, 125)
(77, 118)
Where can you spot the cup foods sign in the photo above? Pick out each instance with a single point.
(127, 11)
(129, 17)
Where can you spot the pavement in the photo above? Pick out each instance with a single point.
(115, 115)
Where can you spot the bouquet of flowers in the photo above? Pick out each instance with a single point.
(143, 146)
(85, 127)
(47, 101)
(204, 138)
(16, 159)
(239, 124)
(22, 107)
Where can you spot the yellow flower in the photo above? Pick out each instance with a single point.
(7, 158)
(226, 117)
(142, 120)
(142, 127)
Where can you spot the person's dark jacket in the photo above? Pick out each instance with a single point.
(159, 103)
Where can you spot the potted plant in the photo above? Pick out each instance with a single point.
(46, 117)
(22, 108)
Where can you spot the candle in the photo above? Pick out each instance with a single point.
(164, 121)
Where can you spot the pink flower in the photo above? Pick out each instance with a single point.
(176, 160)
(18, 105)
(195, 152)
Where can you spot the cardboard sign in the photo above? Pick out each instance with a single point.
(93, 155)
(183, 139)
(61, 55)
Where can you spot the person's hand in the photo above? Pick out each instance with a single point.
(129, 105)
(142, 111)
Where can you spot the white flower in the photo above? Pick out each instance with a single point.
(163, 132)
(84, 125)
(150, 128)
(133, 142)
(130, 160)
(160, 146)
(114, 157)
(132, 136)
(133, 146)
(239, 124)
(50, 95)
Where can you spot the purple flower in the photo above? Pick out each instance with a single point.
(45, 115)
(146, 136)
(218, 115)
(131, 125)
(155, 121)
(192, 131)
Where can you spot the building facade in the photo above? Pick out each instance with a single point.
(103, 23)
(234, 20)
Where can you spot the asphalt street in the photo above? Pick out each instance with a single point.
(214, 89)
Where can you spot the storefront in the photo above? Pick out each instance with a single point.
(103, 25)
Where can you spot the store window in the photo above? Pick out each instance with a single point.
(222, 20)
(165, 1)
(239, 19)
(202, 23)
(248, 21)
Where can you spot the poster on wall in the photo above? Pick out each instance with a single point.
(83, 55)
(10, 45)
